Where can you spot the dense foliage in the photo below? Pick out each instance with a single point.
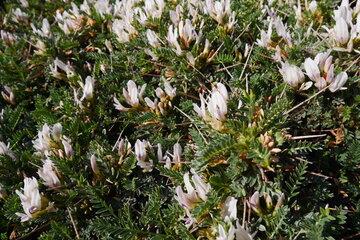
(182, 119)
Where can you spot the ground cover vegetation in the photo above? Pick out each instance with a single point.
(182, 119)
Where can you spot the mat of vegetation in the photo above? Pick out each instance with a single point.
(180, 119)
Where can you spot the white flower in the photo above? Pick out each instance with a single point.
(56, 132)
(344, 11)
(141, 155)
(153, 9)
(133, 95)
(69, 22)
(163, 159)
(64, 67)
(190, 58)
(5, 150)
(123, 30)
(255, 202)
(195, 192)
(241, 233)
(176, 15)
(321, 71)
(226, 235)
(345, 33)
(312, 69)
(217, 105)
(45, 29)
(176, 156)
(124, 8)
(124, 147)
(24, 3)
(292, 74)
(42, 143)
(30, 199)
(338, 82)
(103, 7)
(88, 89)
(281, 30)
(140, 150)
(50, 139)
(119, 106)
(298, 14)
(341, 31)
(216, 110)
(151, 104)
(48, 174)
(171, 37)
(230, 209)
(221, 12)
(41, 47)
(93, 165)
(177, 153)
(169, 90)
(232, 233)
(7, 37)
(187, 32)
(265, 37)
(20, 16)
(2, 115)
(152, 38)
(109, 45)
(85, 7)
(313, 6)
(67, 147)
(201, 111)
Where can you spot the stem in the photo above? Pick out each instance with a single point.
(307, 100)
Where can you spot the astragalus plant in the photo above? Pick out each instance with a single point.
(180, 119)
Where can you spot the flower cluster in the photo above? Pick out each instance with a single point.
(32, 202)
(87, 91)
(214, 109)
(194, 194)
(168, 158)
(132, 95)
(345, 33)
(143, 161)
(49, 174)
(320, 70)
(202, 130)
(51, 141)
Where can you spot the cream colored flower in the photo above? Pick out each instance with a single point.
(215, 109)
(30, 199)
(48, 173)
(195, 192)
(292, 75)
(141, 155)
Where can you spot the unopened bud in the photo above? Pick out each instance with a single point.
(94, 166)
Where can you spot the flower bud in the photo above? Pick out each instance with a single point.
(341, 31)
(338, 82)
(93, 164)
(292, 75)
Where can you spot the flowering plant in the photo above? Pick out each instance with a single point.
(182, 119)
